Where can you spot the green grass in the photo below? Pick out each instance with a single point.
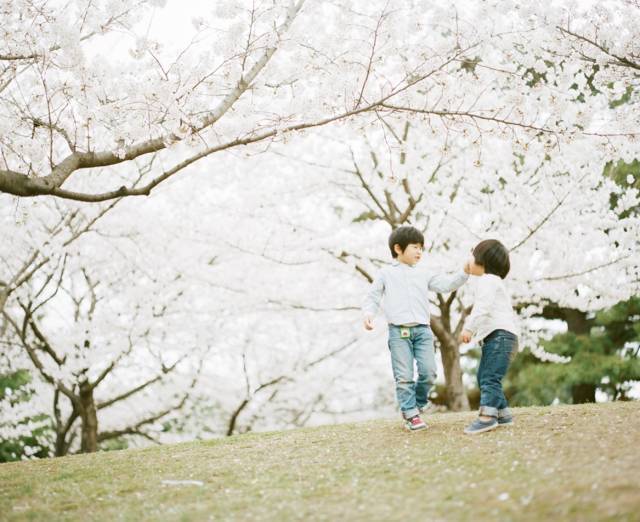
(556, 463)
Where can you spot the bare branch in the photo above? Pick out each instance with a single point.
(371, 54)
(37, 363)
(133, 391)
(500, 121)
(343, 258)
(621, 61)
(540, 224)
(135, 430)
(112, 365)
(583, 272)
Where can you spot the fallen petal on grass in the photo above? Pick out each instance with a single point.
(182, 483)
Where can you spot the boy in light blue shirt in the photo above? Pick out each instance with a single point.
(403, 290)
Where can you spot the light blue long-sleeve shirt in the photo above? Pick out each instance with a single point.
(404, 292)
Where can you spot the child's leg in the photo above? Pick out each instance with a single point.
(480, 373)
(422, 339)
(496, 354)
(402, 364)
(503, 408)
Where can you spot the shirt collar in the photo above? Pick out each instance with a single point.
(395, 262)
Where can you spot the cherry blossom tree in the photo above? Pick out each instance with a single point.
(239, 82)
(95, 349)
(564, 246)
(285, 355)
(256, 72)
(166, 323)
(309, 130)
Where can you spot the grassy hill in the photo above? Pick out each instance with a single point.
(556, 463)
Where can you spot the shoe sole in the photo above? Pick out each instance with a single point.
(482, 430)
(416, 429)
(510, 423)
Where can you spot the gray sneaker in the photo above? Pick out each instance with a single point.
(505, 421)
(478, 426)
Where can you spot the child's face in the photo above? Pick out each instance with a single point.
(411, 255)
(474, 268)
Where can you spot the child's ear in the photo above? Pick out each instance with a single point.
(397, 249)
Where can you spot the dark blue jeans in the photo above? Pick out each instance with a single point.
(497, 348)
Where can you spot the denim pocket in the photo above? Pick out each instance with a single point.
(508, 346)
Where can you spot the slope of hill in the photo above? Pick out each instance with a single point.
(555, 463)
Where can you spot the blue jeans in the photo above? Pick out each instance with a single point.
(412, 394)
(497, 348)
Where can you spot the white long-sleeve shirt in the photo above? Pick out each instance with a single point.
(403, 291)
(492, 308)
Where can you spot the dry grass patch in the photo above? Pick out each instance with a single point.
(555, 463)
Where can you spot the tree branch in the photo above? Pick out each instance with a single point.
(139, 388)
(21, 185)
(500, 121)
(621, 61)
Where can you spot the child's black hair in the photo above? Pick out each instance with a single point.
(404, 236)
(493, 256)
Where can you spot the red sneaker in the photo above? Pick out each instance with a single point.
(415, 423)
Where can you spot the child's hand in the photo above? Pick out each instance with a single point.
(465, 336)
(368, 323)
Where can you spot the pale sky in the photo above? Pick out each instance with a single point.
(172, 25)
(173, 22)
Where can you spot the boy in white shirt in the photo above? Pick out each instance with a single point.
(403, 288)
(493, 324)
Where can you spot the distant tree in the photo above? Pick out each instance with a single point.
(85, 347)
(604, 356)
(532, 386)
(24, 435)
(34, 359)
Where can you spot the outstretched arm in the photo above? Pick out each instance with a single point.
(372, 301)
(445, 283)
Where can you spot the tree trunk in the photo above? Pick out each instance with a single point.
(89, 418)
(234, 417)
(457, 399)
(576, 320)
(61, 445)
(583, 392)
